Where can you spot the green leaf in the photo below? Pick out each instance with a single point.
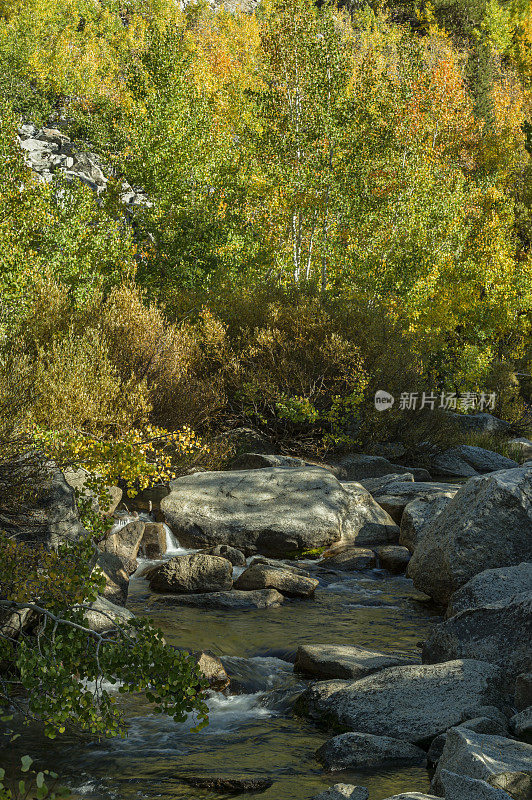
(26, 762)
(39, 780)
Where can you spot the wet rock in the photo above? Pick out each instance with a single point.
(224, 601)
(125, 541)
(460, 787)
(491, 586)
(232, 785)
(272, 511)
(153, 544)
(341, 791)
(396, 496)
(501, 762)
(289, 583)
(412, 703)
(418, 514)
(192, 573)
(523, 691)
(393, 558)
(521, 724)
(362, 751)
(350, 559)
(236, 557)
(103, 615)
(212, 670)
(343, 661)
(487, 524)
(499, 633)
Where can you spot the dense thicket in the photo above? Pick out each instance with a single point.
(341, 201)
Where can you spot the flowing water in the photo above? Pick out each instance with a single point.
(252, 729)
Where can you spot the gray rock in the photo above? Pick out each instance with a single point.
(412, 703)
(523, 691)
(212, 669)
(357, 467)
(521, 448)
(264, 461)
(148, 499)
(494, 725)
(235, 784)
(460, 787)
(52, 518)
(396, 496)
(501, 762)
(491, 586)
(224, 601)
(78, 480)
(236, 557)
(466, 461)
(192, 573)
(153, 544)
(289, 583)
(418, 514)
(413, 796)
(499, 633)
(482, 422)
(343, 661)
(350, 559)
(341, 791)
(362, 751)
(103, 615)
(125, 541)
(487, 524)
(521, 724)
(116, 571)
(278, 564)
(393, 558)
(379, 485)
(273, 511)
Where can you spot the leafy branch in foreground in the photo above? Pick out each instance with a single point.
(55, 668)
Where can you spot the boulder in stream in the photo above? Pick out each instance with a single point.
(349, 559)
(343, 791)
(235, 784)
(412, 703)
(343, 661)
(289, 583)
(364, 751)
(487, 524)
(274, 511)
(393, 557)
(153, 544)
(500, 762)
(224, 601)
(192, 573)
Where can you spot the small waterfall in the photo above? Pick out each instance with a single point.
(173, 548)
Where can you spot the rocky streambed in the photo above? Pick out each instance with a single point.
(334, 675)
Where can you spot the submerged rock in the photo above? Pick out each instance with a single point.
(363, 751)
(343, 661)
(341, 791)
(487, 524)
(412, 703)
(231, 785)
(273, 511)
(501, 762)
(192, 573)
(225, 601)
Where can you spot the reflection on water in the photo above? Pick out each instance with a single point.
(252, 731)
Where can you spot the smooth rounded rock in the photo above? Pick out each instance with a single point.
(192, 573)
(393, 558)
(343, 661)
(263, 576)
(364, 751)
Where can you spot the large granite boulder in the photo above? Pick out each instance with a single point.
(487, 524)
(274, 511)
(265, 461)
(362, 751)
(289, 583)
(103, 616)
(499, 633)
(500, 762)
(192, 573)
(357, 467)
(521, 724)
(412, 703)
(343, 661)
(224, 601)
(492, 586)
(236, 557)
(418, 514)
